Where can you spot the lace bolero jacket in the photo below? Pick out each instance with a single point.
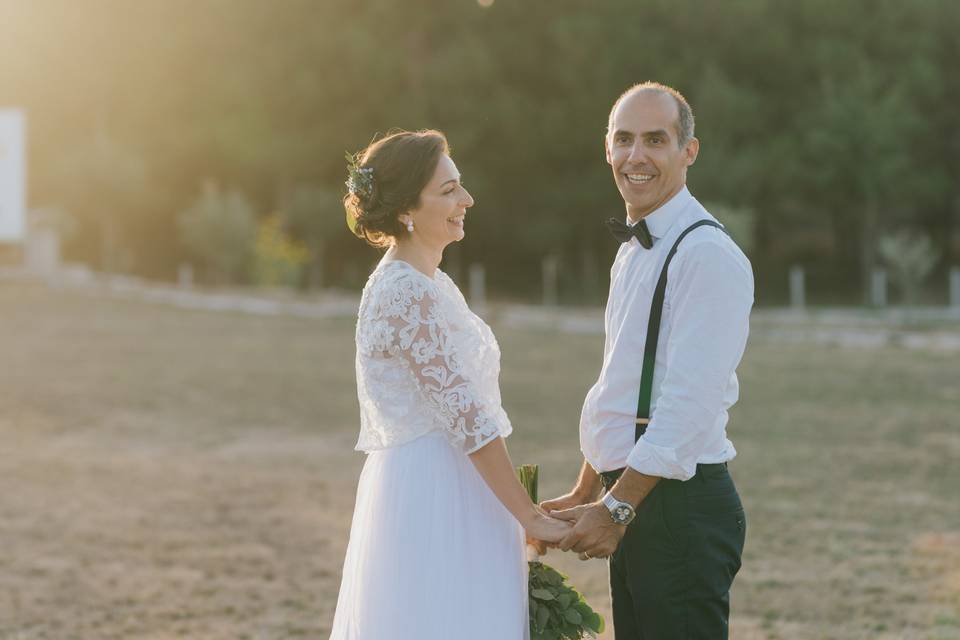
(425, 362)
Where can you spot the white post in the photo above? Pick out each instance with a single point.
(42, 252)
(478, 286)
(878, 288)
(955, 287)
(550, 269)
(798, 298)
(185, 275)
(13, 172)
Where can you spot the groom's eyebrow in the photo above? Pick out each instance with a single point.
(659, 132)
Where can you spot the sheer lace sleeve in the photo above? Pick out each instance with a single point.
(408, 322)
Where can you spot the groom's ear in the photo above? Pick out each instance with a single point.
(692, 151)
(606, 149)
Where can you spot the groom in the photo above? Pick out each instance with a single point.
(654, 495)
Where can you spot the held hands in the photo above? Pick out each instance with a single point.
(544, 530)
(572, 499)
(594, 535)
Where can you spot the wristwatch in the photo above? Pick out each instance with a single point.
(620, 512)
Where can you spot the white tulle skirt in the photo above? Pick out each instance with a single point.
(433, 555)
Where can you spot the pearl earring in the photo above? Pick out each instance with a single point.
(410, 226)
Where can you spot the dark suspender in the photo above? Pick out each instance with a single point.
(653, 333)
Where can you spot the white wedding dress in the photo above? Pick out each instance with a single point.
(433, 554)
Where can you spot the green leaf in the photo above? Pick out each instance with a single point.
(601, 624)
(543, 615)
(573, 616)
(552, 576)
(594, 622)
(546, 634)
(557, 610)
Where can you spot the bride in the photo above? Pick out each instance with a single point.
(436, 545)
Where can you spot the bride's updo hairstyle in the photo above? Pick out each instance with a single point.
(386, 180)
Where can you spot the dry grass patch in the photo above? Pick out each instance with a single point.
(181, 474)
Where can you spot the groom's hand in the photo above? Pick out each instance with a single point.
(562, 503)
(567, 501)
(594, 534)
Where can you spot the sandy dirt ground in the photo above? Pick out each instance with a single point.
(185, 474)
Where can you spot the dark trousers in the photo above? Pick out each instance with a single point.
(670, 577)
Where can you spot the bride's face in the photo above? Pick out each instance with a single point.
(438, 220)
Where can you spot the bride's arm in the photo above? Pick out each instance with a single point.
(411, 325)
(493, 463)
(409, 322)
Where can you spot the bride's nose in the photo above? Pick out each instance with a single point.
(467, 200)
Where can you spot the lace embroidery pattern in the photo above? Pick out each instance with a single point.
(407, 321)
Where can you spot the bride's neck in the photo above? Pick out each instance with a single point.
(422, 258)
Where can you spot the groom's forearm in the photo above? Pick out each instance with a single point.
(588, 484)
(633, 486)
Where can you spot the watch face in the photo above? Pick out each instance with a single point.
(622, 514)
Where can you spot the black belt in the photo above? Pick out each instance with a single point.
(609, 478)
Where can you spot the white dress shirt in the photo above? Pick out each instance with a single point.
(703, 334)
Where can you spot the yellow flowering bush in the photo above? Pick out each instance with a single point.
(278, 259)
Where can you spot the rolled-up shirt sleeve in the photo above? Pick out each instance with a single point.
(711, 293)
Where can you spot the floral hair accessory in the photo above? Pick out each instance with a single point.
(360, 180)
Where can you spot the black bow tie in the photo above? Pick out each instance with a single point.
(623, 233)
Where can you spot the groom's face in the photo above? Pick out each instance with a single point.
(649, 166)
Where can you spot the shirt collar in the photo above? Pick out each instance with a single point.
(660, 221)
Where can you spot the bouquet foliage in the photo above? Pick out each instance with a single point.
(557, 610)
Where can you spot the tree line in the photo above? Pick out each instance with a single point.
(825, 127)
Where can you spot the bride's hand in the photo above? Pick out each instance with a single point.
(546, 529)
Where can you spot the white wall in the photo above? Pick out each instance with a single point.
(13, 176)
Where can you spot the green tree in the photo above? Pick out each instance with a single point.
(278, 258)
(219, 229)
(831, 121)
(103, 185)
(859, 153)
(910, 256)
(315, 215)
